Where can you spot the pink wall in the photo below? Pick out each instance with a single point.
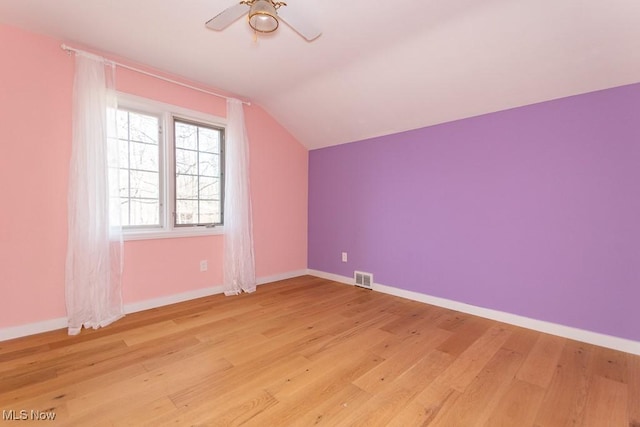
(279, 180)
(35, 117)
(35, 124)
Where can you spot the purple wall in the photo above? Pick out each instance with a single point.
(533, 211)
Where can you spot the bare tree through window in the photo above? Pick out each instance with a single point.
(198, 155)
(138, 167)
(157, 176)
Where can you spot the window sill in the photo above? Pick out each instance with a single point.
(172, 234)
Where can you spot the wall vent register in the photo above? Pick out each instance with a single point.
(363, 280)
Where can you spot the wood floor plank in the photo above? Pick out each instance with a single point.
(317, 390)
(149, 386)
(388, 404)
(540, 365)
(609, 364)
(66, 387)
(100, 363)
(309, 351)
(466, 330)
(56, 356)
(14, 381)
(223, 383)
(335, 409)
(476, 403)
(412, 320)
(381, 408)
(245, 410)
(424, 372)
(318, 371)
(124, 415)
(354, 334)
(412, 350)
(521, 340)
(417, 379)
(518, 406)
(566, 396)
(413, 414)
(467, 365)
(606, 404)
(213, 397)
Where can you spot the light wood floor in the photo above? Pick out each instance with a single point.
(307, 351)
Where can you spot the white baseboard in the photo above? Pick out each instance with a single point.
(590, 337)
(282, 276)
(12, 332)
(32, 328)
(330, 276)
(171, 299)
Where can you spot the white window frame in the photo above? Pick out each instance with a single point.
(167, 112)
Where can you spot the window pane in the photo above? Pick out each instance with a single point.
(198, 174)
(209, 188)
(187, 212)
(186, 136)
(114, 182)
(123, 124)
(144, 184)
(112, 151)
(209, 164)
(209, 212)
(138, 160)
(210, 219)
(186, 162)
(209, 140)
(123, 183)
(144, 156)
(123, 153)
(145, 212)
(186, 187)
(124, 212)
(143, 128)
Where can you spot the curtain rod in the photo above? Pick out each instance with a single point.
(70, 49)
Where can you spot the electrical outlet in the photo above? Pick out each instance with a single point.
(344, 257)
(203, 265)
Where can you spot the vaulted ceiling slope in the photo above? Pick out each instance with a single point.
(379, 67)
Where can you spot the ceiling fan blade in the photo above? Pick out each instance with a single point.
(227, 17)
(299, 22)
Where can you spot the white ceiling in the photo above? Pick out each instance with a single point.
(379, 67)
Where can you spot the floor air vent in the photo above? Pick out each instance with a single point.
(364, 280)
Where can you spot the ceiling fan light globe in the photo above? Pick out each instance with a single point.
(263, 23)
(263, 17)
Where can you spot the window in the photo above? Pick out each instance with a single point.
(198, 163)
(139, 169)
(170, 169)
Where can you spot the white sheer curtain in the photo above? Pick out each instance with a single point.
(239, 262)
(94, 246)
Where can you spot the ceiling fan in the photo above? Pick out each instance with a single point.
(264, 16)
